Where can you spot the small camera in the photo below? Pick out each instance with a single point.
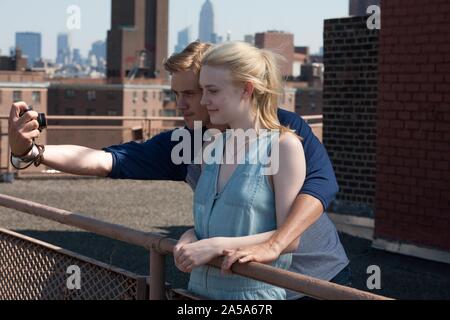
(41, 119)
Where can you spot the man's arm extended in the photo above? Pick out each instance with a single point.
(78, 160)
(70, 159)
(140, 161)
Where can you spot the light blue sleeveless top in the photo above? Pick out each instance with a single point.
(246, 206)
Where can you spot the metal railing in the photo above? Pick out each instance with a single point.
(160, 246)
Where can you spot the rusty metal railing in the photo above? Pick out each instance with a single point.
(160, 246)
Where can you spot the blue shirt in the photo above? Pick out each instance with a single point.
(152, 160)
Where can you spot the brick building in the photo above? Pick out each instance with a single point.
(309, 101)
(13, 63)
(104, 99)
(387, 126)
(349, 111)
(413, 136)
(281, 43)
(138, 39)
(359, 7)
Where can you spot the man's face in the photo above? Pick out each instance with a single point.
(189, 94)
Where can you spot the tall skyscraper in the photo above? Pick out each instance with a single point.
(30, 44)
(138, 38)
(76, 57)
(98, 49)
(359, 7)
(64, 50)
(206, 28)
(184, 38)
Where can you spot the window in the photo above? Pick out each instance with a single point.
(168, 113)
(144, 113)
(17, 96)
(70, 94)
(313, 105)
(36, 96)
(112, 112)
(145, 96)
(154, 95)
(91, 112)
(91, 95)
(160, 96)
(134, 113)
(135, 96)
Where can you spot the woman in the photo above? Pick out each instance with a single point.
(237, 204)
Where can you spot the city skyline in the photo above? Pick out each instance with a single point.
(303, 18)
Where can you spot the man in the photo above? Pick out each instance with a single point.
(320, 253)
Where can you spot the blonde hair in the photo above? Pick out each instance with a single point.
(259, 67)
(189, 59)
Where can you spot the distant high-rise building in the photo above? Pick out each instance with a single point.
(206, 27)
(76, 57)
(138, 37)
(184, 38)
(250, 38)
(228, 35)
(281, 43)
(63, 49)
(359, 7)
(31, 45)
(98, 49)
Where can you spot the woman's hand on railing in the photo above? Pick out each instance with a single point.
(265, 252)
(195, 254)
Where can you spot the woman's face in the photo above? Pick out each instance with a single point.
(221, 96)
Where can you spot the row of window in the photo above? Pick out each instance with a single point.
(145, 96)
(92, 96)
(17, 96)
(90, 112)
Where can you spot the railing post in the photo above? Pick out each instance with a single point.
(149, 127)
(157, 282)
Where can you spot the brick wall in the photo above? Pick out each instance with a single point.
(281, 43)
(413, 141)
(349, 111)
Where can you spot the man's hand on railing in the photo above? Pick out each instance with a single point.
(266, 252)
(22, 130)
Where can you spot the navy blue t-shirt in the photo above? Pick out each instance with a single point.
(152, 160)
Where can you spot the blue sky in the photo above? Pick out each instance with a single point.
(304, 18)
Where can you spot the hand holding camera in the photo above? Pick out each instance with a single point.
(25, 125)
